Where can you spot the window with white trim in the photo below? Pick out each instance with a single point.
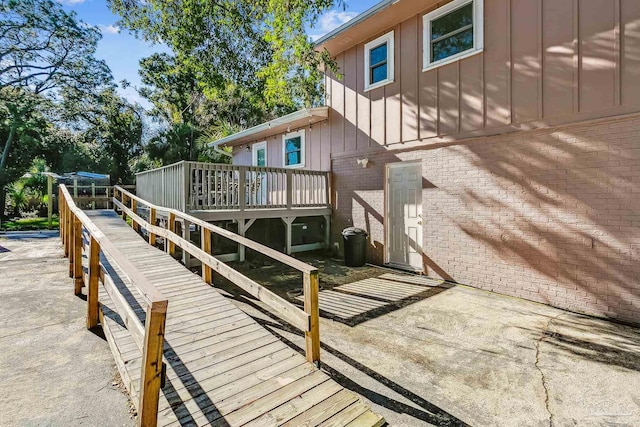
(378, 61)
(452, 32)
(293, 149)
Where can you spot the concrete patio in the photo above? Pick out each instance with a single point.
(463, 356)
(53, 371)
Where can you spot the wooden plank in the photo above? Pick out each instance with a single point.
(368, 419)
(206, 248)
(311, 307)
(92, 289)
(77, 271)
(323, 410)
(345, 416)
(152, 364)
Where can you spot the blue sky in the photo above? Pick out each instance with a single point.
(122, 51)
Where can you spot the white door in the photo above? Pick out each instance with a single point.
(404, 215)
(259, 180)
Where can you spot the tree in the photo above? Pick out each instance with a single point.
(22, 124)
(115, 128)
(260, 45)
(46, 55)
(44, 48)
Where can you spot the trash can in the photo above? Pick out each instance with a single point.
(355, 246)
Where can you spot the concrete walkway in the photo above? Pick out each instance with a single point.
(53, 372)
(468, 357)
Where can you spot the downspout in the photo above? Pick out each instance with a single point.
(219, 151)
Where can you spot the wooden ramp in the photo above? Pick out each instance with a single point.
(223, 368)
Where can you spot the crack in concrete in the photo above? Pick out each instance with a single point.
(544, 336)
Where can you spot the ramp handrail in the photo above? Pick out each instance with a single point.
(148, 336)
(306, 320)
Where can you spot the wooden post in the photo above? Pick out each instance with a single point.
(152, 221)
(287, 224)
(134, 209)
(242, 230)
(61, 213)
(77, 270)
(72, 244)
(186, 235)
(242, 188)
(171, 247)
(151, 377)
(206, 247)
(289, 189)
(124, 202)
(49, 202)
(93, 194)
(66, 230)
(327, 231)
(94, 277)
(312, 338)
(75, 187)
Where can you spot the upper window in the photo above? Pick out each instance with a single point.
(452, 32)
(293, 149)
(378, 60)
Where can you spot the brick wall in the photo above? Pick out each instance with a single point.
(549, 215)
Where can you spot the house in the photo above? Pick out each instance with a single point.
(495, 143)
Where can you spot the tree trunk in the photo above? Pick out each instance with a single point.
(3, 202)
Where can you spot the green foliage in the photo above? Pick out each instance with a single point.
(46, 60)
(43, 48)
(260, 45)
(27, 224)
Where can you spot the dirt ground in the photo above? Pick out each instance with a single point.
(53, 371)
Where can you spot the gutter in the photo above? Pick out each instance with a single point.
(374, 10)
(289, 118)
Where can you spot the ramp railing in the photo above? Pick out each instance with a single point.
(149, 336)
(306, 320)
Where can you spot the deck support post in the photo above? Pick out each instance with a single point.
(152, 221)
(92, 289)
(288, 220)
(186, 235)
(67, 231)
(242, 229)
(327, 231)
(72, 248)
(171, 224)
(77, 258)
(312, 337)
(152, 369)
(205, 243)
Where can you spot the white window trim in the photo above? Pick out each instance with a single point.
(478, 33)
(301, 134)
(389, 40)
(254, 153)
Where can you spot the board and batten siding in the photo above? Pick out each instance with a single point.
(544, 62)
(317, 156)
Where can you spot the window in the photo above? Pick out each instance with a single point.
(378, 59)
(452, 32)
(260, 154)
(293, 149)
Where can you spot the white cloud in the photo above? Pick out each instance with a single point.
(109, 29)
(330, 21)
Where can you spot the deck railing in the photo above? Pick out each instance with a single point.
(306, 320)
(194, 186)
(149, 336)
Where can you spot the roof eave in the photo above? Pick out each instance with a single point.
(264, 129)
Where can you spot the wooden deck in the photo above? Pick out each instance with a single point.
(222, 368)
